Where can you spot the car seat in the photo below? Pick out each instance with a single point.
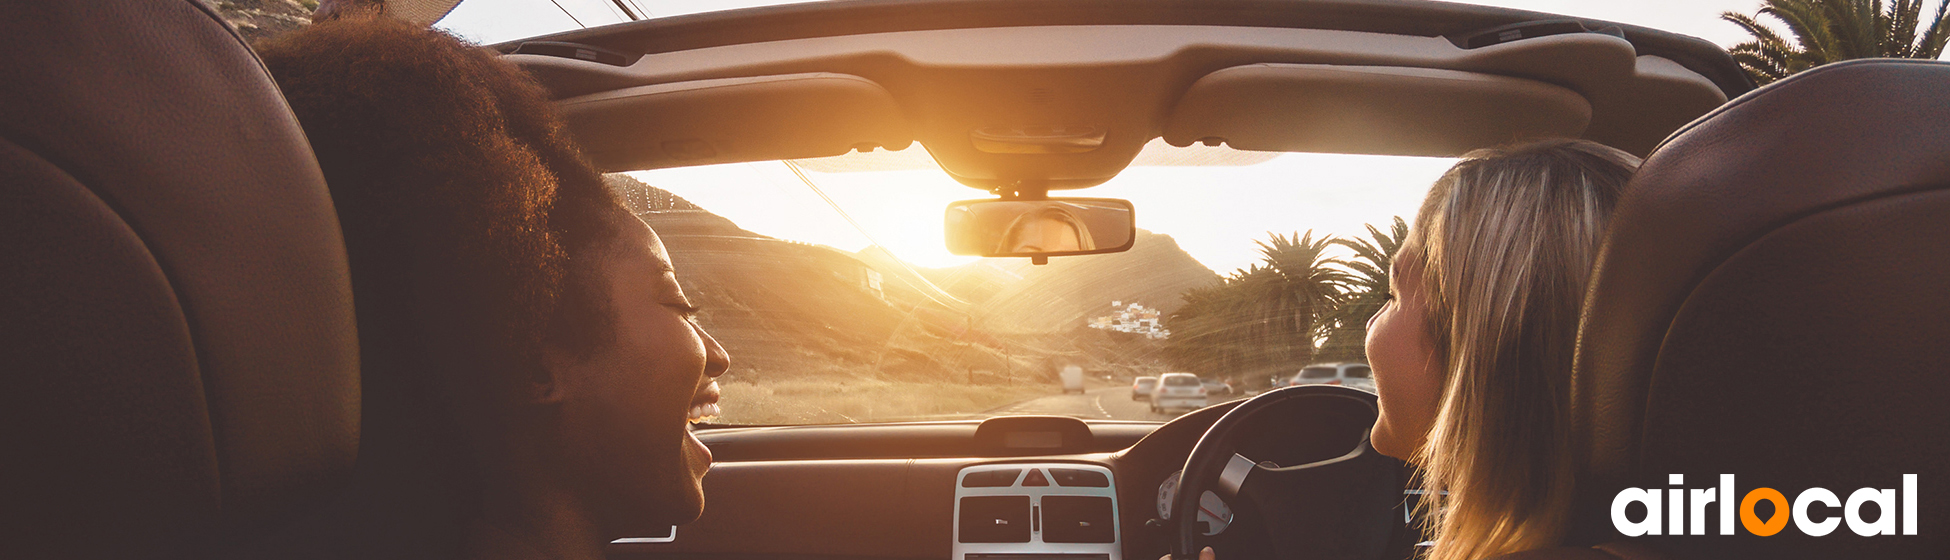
(176, 319)
(1772, 301)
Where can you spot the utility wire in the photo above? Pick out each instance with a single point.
(627, 12)
(639, 9)
(931, 291)
(565, 11)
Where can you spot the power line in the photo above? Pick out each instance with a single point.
(931, 291)
(627, 12)
(565, 11)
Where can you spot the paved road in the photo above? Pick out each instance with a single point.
(1110, 403)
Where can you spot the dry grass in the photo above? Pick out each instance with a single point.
(813, 400)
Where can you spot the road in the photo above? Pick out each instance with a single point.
(1109, 403)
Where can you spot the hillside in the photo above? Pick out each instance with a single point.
(1017, 297)
(802, 317)
(790, 309)
(259, 19)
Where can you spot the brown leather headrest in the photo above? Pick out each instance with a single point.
(176, 325)
(1773, 302)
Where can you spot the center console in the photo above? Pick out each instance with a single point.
(1036, 511)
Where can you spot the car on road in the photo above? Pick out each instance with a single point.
(1141, 388)
(1352, 374)
(1178, 391)
(1072, 379)
(1217, 387)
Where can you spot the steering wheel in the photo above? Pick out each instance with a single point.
(1332, 506)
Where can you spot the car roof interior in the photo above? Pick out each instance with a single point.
(180, 321)
(1066, 93)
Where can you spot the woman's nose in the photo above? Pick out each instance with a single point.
(716, 360)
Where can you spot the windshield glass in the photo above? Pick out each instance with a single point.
(838, 301)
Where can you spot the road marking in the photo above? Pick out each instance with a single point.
(1098, 401)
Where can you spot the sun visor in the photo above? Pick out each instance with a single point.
(735, 120)
(1371, 110)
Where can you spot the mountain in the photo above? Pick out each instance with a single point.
(786, 309)
(1015, 296)
(259, 19)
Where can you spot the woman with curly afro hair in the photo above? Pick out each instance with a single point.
(530, 363)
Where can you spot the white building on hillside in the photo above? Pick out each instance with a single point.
(1133, 318)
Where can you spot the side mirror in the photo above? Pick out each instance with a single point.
(1040, 228)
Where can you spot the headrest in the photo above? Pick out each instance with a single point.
(1773, 302)
(176, 318)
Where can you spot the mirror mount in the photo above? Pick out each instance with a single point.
(1022, 191)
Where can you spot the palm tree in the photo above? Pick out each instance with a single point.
(1825, 31)
(1311, 284)
(1263, 318)
(1367, 289)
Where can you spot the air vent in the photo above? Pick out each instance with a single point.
(1029, 511)
(994, 519)
(1078, 519)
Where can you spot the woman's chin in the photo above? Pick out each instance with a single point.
(696, 454)
(1384, 440)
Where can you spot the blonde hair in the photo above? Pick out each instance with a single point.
(1504, 246)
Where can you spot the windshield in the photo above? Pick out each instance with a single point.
(829, 283)
(838, 301)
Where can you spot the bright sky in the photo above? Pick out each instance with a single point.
(1215, 213)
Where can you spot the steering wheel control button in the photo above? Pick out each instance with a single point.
(994, 519)
(1079, 478)
(998, 478)
(1235, 473)
(1077, 519)
(1035, 478)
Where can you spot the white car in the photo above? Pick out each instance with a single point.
(1352, 374)
(1176, 391)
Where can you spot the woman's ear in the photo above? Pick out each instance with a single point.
(547, 385)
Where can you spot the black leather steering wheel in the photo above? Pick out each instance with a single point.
(1346, 506)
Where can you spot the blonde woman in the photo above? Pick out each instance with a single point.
(1472, 353)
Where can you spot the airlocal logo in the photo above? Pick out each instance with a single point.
(1678, 512)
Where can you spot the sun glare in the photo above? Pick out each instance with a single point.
(1215, 213)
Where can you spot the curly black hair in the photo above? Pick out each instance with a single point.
(472, 223)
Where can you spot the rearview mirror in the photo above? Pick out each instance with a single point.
(1040, 228)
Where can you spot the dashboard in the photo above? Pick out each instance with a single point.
(1007, 488)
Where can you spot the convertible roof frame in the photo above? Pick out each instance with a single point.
(834, 18)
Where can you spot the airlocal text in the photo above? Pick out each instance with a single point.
(1685, 510)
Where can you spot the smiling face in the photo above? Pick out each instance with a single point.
(1407, 374)
(626, 407)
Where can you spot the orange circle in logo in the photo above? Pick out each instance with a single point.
(1752, 522)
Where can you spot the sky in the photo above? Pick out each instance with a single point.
(1214, 213)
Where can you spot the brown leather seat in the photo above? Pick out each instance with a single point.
(176, 324)
(1773, 302)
